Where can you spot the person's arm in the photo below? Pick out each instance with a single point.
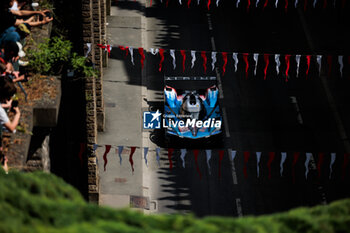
(11, 125)
(27, 13)
(8, 104)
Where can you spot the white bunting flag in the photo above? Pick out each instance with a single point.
(237, 3)
(88, 49)
(217, 2)
(333, 156)
(296, 3)
(131, 50)
(120, 150)
(208, 154)
(297, 59)
(341, 65)
(183, 154)
(158, 155)
(233, 155)
(180, 2)
(213, 60)
(276, 3)
(145, 152)
(283, 159)
(319, 62)
(193, 55)
(278, 63)
(307, 161)
(256, 58)
(198, 1)
(154, 51)
(315, 2)
(258, 156)
(235, 58)
(257, 2)
(172, 54)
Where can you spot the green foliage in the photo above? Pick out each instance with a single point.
(53, 54)
(39, 202)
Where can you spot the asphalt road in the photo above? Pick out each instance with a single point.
(259, 113)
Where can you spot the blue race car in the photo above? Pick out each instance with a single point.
(191, 107)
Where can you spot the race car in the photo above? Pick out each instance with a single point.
(191, 108)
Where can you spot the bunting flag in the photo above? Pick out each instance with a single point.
(145, 152)
(161, 54)
(297, 59)
(208, 5)
(221, 156)
(276, 3)
(188, 3)
(213, 60)
(204, 56)
(131, 50)
(248, 5)
(182, 156)
(324, 4)
(142, 54)
(295, 160)
(151, 3)
(154, 51)
(256, 58)
(333, 157)
(237, 3)
(287, 58)
(81, 152)
(258, 156)
(266, 59)
(180, 1)
(283, 159)
(172, 54)
(167, 3)
(296, 3)
(170, 153)
(265, 4)
(108, 148)
(341, 65)
(269, 162)
(329, 61)
(120, 150)
(319, 163)
(319, 62)
(305, 5)
(107, 48)
(224, 58)
(307, 161)
(183, 54)
(195, 153)
(88, 45)
(217, 2)
(345, 164)
(278, 63)
(198, 2)
(256, 3)
(246, 155)
(208, 154)
(233, 155)
(158, 155)
(125, 49)
(286, 6)
(131, 161)
(245, 58)
(193, 55)
(314, 4)
(235, 58)
(308, 60)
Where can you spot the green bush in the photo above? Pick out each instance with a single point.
(38, 202)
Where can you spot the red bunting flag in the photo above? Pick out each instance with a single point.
(167, 3)
(329, 61)
(248, 5)
(221, 156)
(245, 58)
(324, 4)
(126, 49)
(81, 152)
(108, 148)
(319, 163)
(161, 54)
(308, 60)
(224, 57)
(271, 158)
(287, 58)
(246, 155)
(132, 151)
(295, 160)
(195, 153)
(265, 4)
(208, 5)
(286, 6)
(204, 56)
(266, 59)
(170, 153)
(188, 3)
(142, 57)
(183, 53)
(345, 164)
(106, 47)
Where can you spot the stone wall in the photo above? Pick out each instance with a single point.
(94, 32)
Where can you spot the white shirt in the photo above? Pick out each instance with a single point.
(3, 116)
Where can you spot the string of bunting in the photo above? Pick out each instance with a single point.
(299, 60)
(316, 4)
(272, 157)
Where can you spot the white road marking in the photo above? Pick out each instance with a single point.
(224, 116)
(294, 101)
(239, 207)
